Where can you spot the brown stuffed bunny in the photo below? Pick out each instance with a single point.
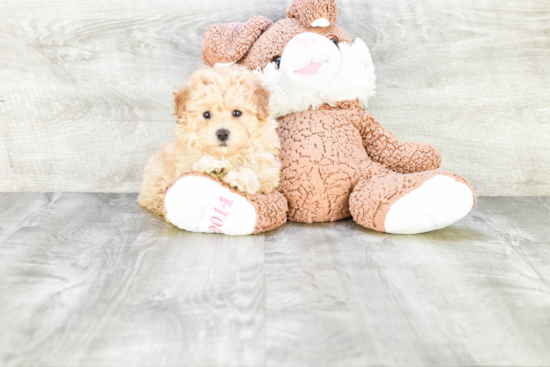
(337, 159)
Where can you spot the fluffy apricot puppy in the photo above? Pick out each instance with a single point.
(223, 130)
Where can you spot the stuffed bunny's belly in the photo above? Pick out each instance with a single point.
(321, 152)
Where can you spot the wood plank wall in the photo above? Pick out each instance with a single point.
(85, 86)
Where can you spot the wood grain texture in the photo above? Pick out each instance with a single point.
(85, 86)
(95, 280)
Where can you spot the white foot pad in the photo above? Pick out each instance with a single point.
(198, 204)
(439, 202)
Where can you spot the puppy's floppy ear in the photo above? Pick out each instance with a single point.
(228, 43)
(314, 13)
(180, 100)
(262, 102)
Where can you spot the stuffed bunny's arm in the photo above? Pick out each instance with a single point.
(399, 156)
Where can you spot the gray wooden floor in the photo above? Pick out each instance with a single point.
(94, 280)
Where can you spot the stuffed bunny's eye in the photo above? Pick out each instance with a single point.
(335, 41)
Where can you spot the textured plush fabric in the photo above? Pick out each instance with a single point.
(321, 152)
(308, 11)
(325, 153)
(225, 43)
(271, 210)
(383, 147)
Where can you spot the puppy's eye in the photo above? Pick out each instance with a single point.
(207, 115)
(335, 41)
(277, 61)
(237, 113)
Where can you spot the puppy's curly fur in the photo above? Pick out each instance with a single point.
(247, 160)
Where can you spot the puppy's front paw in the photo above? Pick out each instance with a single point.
(243, 179)
(211, 166)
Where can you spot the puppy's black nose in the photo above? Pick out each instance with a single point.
(222, 134)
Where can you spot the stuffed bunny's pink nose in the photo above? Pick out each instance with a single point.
(305, 40)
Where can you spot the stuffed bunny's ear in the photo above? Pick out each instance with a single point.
(228, 43)
(314, 13)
